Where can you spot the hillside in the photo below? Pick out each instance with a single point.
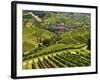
(32, 35)
(55, 39)
(76, 36)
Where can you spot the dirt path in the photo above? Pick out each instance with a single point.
(72, 38)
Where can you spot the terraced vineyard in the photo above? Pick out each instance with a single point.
(66, 58)
(76, 36)
(56, 40)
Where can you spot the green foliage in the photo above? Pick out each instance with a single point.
(64, 59)
(75, 36)
(32, 35)
(45, 45)
(66, 39)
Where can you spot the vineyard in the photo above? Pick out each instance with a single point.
(55, 40)
(66, 58)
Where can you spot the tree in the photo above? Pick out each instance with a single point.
(89, 44)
